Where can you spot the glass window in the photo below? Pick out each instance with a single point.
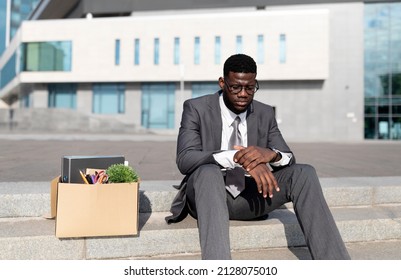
(384, 128)
(382, 75)
(396, 128)
(238, 44)
(25, 101)
(176, 51)
(197, 51)
(137, 51)
(156, 51)
(283, 48)
(108, 98)
(117, 52)
(217, 50)
(396, 81)
(47, 56)
(200, 89)
(62, 96)
(396, 109)
(20, 10)
(370, 110)
(8, 72)
(3, 24)
(370, 128)
(260, 50)
(158, 105)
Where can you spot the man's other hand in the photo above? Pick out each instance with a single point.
(265, 180)
(252, 156)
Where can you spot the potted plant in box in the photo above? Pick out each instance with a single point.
(120, 173)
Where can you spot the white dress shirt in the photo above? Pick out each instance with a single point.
(226, 157)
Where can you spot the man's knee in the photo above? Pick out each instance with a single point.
(305, 176)
(205, 176)
(208, 170)
(205, 185)
(300, 174)
(307, 169)
(302, 170)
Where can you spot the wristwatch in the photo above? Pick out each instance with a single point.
(277, 154)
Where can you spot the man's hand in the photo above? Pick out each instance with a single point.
(254, 159)
(265, 180)
(252, 156)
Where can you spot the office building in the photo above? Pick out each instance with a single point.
(332, 70)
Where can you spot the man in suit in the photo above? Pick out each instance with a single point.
(237, 166)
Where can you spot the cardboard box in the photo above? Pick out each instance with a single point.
(84, 210)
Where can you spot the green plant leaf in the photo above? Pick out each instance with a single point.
(120, 173)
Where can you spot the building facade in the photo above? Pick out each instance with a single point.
(130, 69)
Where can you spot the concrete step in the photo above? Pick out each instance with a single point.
(33, 238)
(368, 250)
(32, 199)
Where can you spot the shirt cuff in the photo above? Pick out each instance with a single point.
(226, 159)
(285, 160)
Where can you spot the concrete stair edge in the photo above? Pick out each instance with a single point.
(32, 199)
(356, 224)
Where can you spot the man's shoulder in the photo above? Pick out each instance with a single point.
(261, 107)
(204, 99)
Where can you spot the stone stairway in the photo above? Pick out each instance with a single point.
(366, 209)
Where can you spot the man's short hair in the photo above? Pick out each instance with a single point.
(239, 63)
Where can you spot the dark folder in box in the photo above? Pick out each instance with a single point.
(71, 165)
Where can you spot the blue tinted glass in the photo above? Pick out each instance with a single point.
(176, 51)
(217, 50)
(283, 48)
(64, 56)
(197, 51)
(382, 68)
(108, 98)
(158, 105)
(395, 45)
(238, 45)
(62, 96)
(25, 101)
(117, 52)
(8, 72)
(156, 53)
(3, 17)
(20, 10)
(261, 50)
(137, 52)
(47, 56)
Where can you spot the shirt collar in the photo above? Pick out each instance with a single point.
(228, 115)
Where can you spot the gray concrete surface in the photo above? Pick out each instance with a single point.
(33, 238)
(37, 157)
(375, 250)
(31, 199)
(362, 182)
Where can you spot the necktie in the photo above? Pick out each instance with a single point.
(235, 138)
(235, 179)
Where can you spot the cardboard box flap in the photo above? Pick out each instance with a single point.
(53, 199)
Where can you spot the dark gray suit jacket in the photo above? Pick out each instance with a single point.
(200, 137)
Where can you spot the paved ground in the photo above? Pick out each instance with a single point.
(38, 157)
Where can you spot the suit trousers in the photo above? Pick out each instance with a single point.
(212, 206)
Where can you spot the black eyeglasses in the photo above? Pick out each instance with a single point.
(235, 89)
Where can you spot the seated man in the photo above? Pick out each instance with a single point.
(237, 166)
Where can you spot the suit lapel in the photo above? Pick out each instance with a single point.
(215, 123)
(252, 126)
